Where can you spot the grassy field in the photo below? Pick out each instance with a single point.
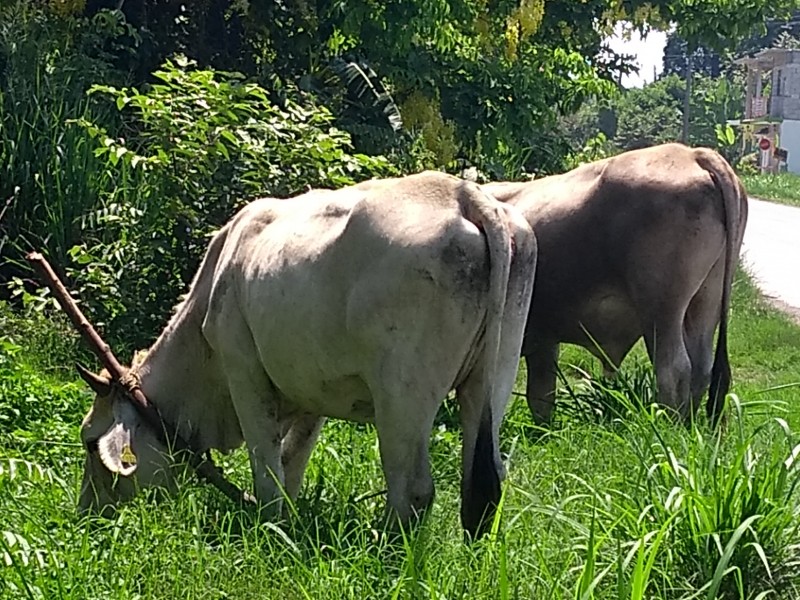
(599, 507)
(783, 187)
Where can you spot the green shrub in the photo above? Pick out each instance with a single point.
(202, 144)
(601, 399)
(41, 405)
(48, 171)
(695, 514)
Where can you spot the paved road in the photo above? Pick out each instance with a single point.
(771, 251)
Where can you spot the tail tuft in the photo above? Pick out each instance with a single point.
(482, 492)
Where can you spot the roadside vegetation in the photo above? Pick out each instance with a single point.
(127, 136)
(782, 187)
(614, 502)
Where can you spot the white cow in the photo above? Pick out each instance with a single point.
(369, 304)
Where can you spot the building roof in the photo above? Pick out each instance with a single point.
(770, 58)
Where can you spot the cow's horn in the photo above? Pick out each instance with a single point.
(100, 385)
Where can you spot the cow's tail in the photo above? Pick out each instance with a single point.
(481, 489)
(734, 199)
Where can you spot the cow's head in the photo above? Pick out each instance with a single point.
(123, 451)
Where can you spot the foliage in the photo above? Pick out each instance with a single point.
(425, 116)
(494, 76)
(595, 148)
(488, 70)
(729, 503)
(202, 144)
(650, 115)
(733, 20)
(653, 114)
(713, 102)
(779, 31)
(48, 174)
(605, 399)
(33, 387)
(780, 187)
(704, 61)
(629, 506)
(776, 33)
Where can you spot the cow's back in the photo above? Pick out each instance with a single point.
(605, 227)
(328, 280)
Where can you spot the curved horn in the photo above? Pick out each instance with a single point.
(100, 385)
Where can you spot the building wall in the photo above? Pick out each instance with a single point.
(785, 102)
(790, 140)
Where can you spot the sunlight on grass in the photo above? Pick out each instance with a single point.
(615, 502)
(782, 187)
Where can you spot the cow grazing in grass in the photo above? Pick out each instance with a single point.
(642, 244)
(369, 304)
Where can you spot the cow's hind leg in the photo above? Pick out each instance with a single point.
(296, 448)
(541, 362)
(405, 409)
(667, 350)
(701, 321)
(482, 469)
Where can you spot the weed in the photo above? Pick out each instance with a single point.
(781, 187)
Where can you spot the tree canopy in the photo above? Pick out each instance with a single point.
(480, 80)
(194, 91)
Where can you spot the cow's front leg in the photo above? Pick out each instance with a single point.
(255, 401)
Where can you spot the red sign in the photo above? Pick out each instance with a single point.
(764, 144)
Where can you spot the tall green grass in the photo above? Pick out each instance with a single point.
(627, 506)
(781, 187)
(49, 175)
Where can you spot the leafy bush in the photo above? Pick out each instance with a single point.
(40, 409)
(597, 147)
(201, 144)
(28, 400)
(48, 173)
(650, 115)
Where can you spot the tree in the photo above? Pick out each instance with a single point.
(770, 36)
(704, 60)
(653, 114)
(482, 80)
(720, 24)
(650, 115)
(707, 61)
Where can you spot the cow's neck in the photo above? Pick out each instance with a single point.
(180, 377)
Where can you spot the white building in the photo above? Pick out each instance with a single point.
(771, 122)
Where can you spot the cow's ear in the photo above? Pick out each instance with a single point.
(115, 446)
(99, 384)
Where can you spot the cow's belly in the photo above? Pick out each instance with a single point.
(324, 347)
(606, 317)
(317, 367)
(341, 397)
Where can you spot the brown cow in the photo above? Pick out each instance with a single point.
(641, 244)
